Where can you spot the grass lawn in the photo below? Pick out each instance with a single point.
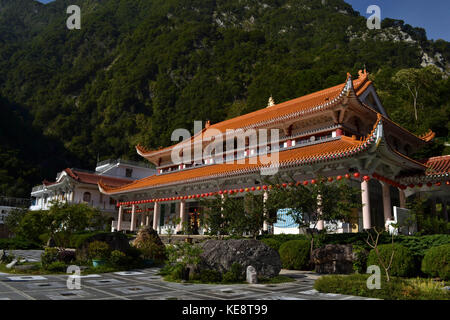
(40, 271)
(274, 280)
(396, 289)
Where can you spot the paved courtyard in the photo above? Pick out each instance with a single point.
(146, 284)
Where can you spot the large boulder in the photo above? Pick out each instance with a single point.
(147, 233)
(334, 259)
(221, 254)
(115, 241)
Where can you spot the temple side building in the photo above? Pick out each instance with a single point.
(341, 132)
(80, 186)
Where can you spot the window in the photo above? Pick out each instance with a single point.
(87, 197)
(128, 173)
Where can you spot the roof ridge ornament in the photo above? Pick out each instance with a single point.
(271, 102)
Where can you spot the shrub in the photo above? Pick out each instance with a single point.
(360, 262)
(99, 250)
(49, 256)
(210, 276)
(177, 272)
(436, 262)
(395, 289)
(57, 266)
(18, 243)
(273, 243)
(229, 277)
(66, 256)
(403, 264)
(295, 254)
(118, 258)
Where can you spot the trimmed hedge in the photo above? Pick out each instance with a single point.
(403, 264)
(295, 254)
(18, 244)
(436, 262)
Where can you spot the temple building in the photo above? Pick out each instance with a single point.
(339, 133)
(80, 186)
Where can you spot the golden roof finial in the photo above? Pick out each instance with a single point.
(271, 102)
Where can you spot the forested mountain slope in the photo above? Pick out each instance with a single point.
(139, 69)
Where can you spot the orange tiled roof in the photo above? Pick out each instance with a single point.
(310, 103)
(339, 148)
(438, 166)
(93, 178)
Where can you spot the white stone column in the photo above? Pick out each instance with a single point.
(367, 223)
(119, 219)
(147, 220)
(181, 208)
(133, 217)
(265, 224)
(387, 207)
(156, 216)
(402, 198)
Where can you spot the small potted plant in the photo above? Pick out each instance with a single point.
(99, 252)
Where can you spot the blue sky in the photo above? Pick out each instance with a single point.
(430, 14)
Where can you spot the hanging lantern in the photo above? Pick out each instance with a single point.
(271, 187)
(429, 184)
(420, 185)
(447, 183)
(356, 174)
(225, 191)
(305, 183)
(264, 187)
(290, 184)
(347, 176)
(241, 190)
(284, 185)
(438, 184)
(411, 185)
(253, 188)
(211, 193)
(330, 179)
(230, 192)
(339, 178)
(366, 178)
(313, 181)
(259, 188)
(247, 189)
(220, 192)
(298, 183)
(198, 195)
(236, 190)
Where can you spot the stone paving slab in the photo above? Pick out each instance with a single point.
(146, 284)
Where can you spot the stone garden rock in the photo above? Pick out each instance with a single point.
(334, 259)
(251, 275)
(2, 255)
(147, 233)
(11, 264)
(221, 254)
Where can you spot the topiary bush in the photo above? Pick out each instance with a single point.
(99, 250)
(49, 256)
(57, 266)
(295, 254)
(436, 262)
(403, 264)
(119, 259)
(209, 275)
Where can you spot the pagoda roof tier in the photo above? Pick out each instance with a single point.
(337, 148)
(85, 177)
(290, 110)
(438, 168)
